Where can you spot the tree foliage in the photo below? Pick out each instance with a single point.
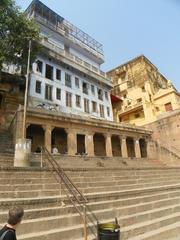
(15, 32)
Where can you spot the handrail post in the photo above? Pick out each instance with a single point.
(85, 226)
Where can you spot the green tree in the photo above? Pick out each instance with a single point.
(15, 32)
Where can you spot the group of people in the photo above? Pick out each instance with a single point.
(15, 215)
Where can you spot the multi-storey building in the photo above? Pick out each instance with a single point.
(67, 76)
(69, 103)
(141, 94)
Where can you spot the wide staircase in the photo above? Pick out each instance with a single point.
(145, 201)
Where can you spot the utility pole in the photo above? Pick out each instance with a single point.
(26, 90)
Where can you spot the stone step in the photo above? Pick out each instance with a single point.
(32, 193)
(124, 201)
(127, 212)
(73, 232)
(32, 202)
(76, 231)
(125, 189)
(42, 191)
(102, 215)
(40, 174)
(30, 187)
(170, 232)
(104, 173)
(42, 181)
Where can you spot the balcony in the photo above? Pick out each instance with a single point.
(131, 108)
(74, 59)
(75, 35)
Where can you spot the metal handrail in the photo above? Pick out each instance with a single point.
(75, 196)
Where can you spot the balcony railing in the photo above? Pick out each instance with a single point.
(73, 58)
(64, 29)
(130, 107)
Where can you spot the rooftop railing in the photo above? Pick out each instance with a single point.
(71, 32)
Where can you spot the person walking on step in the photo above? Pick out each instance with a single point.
(8, 232)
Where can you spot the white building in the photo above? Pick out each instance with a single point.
(66, 76)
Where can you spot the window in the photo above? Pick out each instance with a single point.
(49, 72)
(101, 107)
(85, 88)
(143, 89)
(68, 99)
(100, 94)
(157, 109)
(78, 101)
(58, 74)
(39, 66)
(108, 111)
(86, 105)
(77, 82)
(137, 115)
(38, 87)
(106, 95)
(68, 80)
(139, 100)
(92, 89)
(168, 107)
(94, 106)
(48, 92)
(58, 93)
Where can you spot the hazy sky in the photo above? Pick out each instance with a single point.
(128, 28)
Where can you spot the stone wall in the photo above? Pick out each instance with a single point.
(166, 131)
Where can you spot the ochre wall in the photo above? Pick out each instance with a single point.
(167, 130)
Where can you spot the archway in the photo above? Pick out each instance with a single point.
(99, 144)
(36, 134)
(59, 140)
(130, 147)
(116, 146)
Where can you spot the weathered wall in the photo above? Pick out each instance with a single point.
(166, 131)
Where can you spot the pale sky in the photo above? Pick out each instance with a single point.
(128, 28)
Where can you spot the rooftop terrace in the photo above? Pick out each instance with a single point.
(47, 16)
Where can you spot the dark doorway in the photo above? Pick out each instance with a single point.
(81, 144)
(143, 148)
(36, 134)
(116, 146)
(59, 140)
(130, 147)
(99, 145)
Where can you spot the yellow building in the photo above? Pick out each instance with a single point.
(141, 94)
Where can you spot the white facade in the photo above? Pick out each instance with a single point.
(83, 92)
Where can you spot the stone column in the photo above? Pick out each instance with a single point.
(124, 147)
(89, 144)
(47, 141)
(108, 145)
(18, 126)
(71, 142)
(150, 149)
(137, 148)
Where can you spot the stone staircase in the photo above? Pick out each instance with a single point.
(96, 162)
(146, 201)
(6, 148)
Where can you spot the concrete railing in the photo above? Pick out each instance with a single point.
(73, 58)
